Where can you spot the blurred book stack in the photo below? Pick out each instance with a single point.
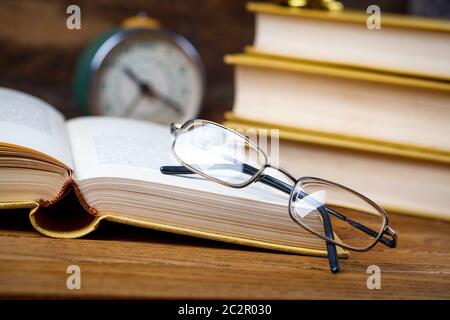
(367, 108)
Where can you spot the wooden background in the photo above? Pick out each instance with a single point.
(38, 53)
(119, 261)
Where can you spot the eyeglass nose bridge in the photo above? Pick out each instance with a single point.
(283, 171)
(175, 129)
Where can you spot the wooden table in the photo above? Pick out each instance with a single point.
(126, 262)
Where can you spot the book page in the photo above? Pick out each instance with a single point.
(29, 122)
(107, 147)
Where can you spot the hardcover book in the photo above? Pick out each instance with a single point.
(403, 179)
(385, 108)
(405, 45)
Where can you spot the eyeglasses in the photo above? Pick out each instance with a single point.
(322, 207)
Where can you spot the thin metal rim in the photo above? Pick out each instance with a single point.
(341, 244)
(119, 37)
(187, 125)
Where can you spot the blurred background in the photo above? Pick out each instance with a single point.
(38, 53)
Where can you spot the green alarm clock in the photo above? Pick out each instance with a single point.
(141, 71)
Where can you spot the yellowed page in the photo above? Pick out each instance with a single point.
(108, 147)
(117, 147)
(29, 122)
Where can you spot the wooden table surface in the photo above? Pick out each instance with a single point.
(120, 261)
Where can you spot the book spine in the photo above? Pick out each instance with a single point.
(77, 218)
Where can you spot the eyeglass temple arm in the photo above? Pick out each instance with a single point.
(331, 247)
(286, 188)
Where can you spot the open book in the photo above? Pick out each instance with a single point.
(111, 166)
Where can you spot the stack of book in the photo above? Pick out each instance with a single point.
(367, 108)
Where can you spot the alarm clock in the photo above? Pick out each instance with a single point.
(141, 71)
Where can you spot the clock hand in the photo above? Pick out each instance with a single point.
(149, 91)
(128, 111)
(133, 77)
(169, 102)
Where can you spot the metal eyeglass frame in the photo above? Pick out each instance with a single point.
(257, 175)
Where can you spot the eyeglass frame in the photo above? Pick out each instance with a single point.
(176, 129)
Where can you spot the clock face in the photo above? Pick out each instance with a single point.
(148, 75)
